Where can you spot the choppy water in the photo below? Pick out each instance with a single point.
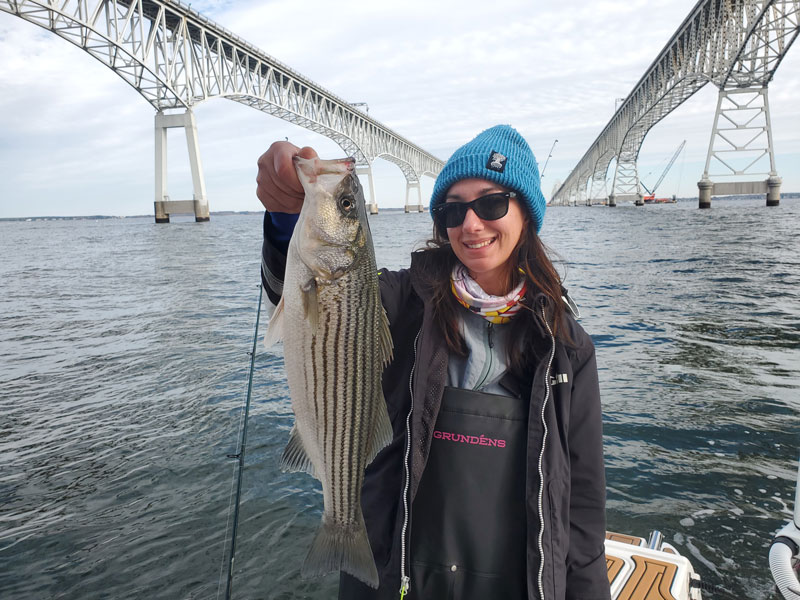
(123, 368)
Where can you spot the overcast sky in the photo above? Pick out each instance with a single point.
(77, 140)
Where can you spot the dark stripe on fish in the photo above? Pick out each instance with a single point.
(338, 354)
(322, 407)
(357, 324)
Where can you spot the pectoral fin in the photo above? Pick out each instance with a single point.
(275, 329)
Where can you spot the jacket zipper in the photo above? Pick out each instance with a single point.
(541, 454)
(488, 365)
(404, 578)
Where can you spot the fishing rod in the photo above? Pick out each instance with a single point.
(242, 446)
(548, 157)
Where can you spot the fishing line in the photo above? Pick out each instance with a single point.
(240, 457)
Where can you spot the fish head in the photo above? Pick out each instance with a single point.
(333, 221)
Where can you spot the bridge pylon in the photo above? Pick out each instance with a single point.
(413, 207)
(163, 205)
(583, 194)
(626, 179)
(741, 138)
(599, 191)
(372, 205)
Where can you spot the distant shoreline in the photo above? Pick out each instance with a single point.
(220, 213)
(225, 213)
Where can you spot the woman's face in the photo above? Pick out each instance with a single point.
(484, 247)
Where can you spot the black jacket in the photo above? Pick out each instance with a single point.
(565, 553)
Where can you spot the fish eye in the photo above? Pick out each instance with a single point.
(346, 202)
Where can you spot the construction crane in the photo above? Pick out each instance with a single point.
(651, 194)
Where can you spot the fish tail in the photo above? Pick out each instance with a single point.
(341, 547)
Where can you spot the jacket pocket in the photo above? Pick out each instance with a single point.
(429, 582)
(440, 582)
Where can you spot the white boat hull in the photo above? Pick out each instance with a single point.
(639, 572)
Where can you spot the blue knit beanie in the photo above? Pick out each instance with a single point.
(499, 154)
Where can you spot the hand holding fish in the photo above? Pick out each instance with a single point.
(277, 185)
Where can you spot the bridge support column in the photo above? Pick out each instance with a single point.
(612, 201)
(774, 191)
(573, 195)
(626, 178)
(161, 173)
(740, 151)
(163, 205)
(599, 192)
(413, 207)
(372, 205)
(583, 193)
(704, 188)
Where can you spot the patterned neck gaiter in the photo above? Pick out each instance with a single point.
(495, 309)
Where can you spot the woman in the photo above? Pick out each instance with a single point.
(493, 486)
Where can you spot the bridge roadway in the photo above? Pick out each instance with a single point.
(176, 58)
(735, 44)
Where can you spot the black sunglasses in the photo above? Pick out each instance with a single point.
(489, 208)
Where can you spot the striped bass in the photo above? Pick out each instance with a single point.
(336, 343)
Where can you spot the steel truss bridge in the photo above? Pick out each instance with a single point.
(735, 44)
(177, 58)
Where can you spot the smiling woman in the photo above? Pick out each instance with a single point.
(484, 243)
(492, 394)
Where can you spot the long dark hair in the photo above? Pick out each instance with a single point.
(530, 259)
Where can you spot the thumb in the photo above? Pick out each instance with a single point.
(307, 152)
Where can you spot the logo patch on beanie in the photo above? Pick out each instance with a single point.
(496, 162)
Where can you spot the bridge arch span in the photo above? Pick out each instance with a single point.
(407, 168)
